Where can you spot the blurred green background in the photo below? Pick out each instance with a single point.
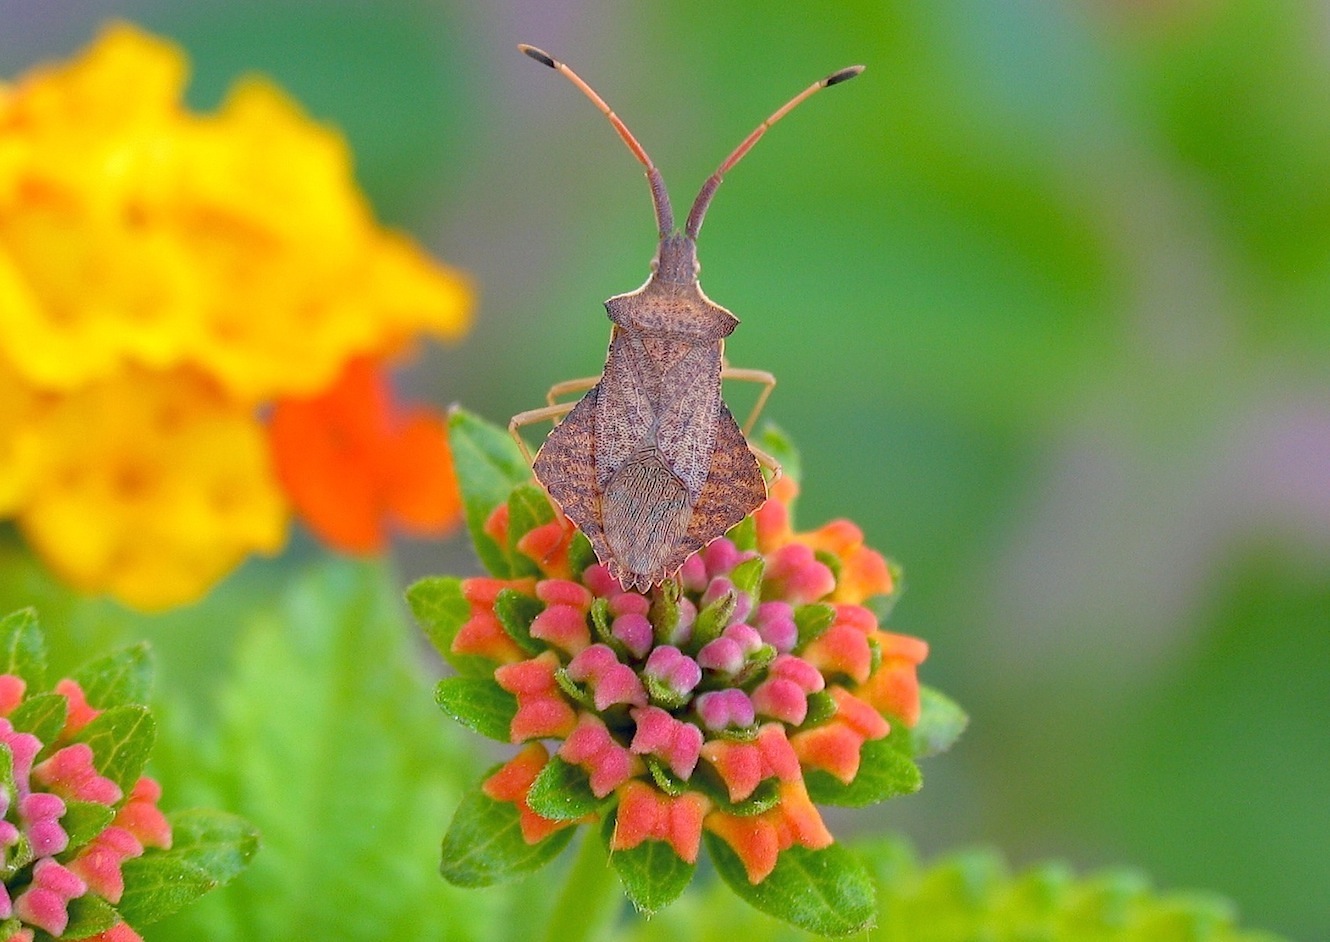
(1048, 295)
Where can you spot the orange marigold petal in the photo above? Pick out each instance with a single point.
(422, 495)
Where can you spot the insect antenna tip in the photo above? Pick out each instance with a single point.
(540, 55)
(835, 78)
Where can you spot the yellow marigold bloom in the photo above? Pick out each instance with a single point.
(166, 277)
(153, 486)
(20, 440)
(134, 231)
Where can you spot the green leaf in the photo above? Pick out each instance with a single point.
(488, 465)
(478, 703)
(516, 611)
(747, 576)
(484, 844)
(439, 607)
(652, 874)
(744, 534)
(84, 820)
(121, 739)
(562, 792)
(825, 891)
(580, 554)
(773, 440)
(885, 770)
(89, 914)
(122, 677)
(528, 508)
(812, 621)
(941, 722)
(22, 648)
(208, 850)
(43, 715)
(324, 735)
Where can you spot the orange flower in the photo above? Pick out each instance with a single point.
(353, 460)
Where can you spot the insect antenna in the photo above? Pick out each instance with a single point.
(708, 190)
(659, 197)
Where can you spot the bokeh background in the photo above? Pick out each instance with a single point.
(1047, 291)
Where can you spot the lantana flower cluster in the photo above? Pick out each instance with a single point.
(701, 707)
(169, 282)
(50, 862)
(85, 853)
(721, 708)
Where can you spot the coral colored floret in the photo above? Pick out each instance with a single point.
(759, 839)
(647, 814)
(592, 747)
(541, 708)
(795, 575)
(80, 713)
(98, 862)
(483, 634)
(611, 682)
(547, 545)
(835, 746)
(120, 932)
(71, 774)
(676, 743)
(45, 903)
(743, 766)
(512, 783)
(141, 817)
(11, 692)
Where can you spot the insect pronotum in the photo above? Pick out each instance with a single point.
(650, 463)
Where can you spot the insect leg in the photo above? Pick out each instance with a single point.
(768, 462)
(570, 386)
(531, 417)
(768, 383)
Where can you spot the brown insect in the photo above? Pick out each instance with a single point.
(650, 463)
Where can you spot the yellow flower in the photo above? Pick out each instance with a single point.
(132, 231)
(153, 486)
(165, 277)
(20, 441)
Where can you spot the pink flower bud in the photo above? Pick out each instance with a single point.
(598, 579)
(722, 655)
(677, 743)
(592, 747)
(720, 709)
(674, 669)
(629, 603)
(720, 557)
(794, 574)
(693, 574)
(611, 682)
(634, 632)
(774, 621)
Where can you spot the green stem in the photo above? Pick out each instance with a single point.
(589, 898)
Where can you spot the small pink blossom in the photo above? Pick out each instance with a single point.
(724, 709)
(610, 681)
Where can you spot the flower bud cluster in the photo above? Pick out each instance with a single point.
(48, 791)
(704, 704)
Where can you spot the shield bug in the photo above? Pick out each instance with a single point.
(649, 463)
